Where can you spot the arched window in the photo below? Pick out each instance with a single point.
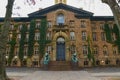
(37, 35)
(115, 50)
(85, 50)
(97, 62)
(36, 50)
(72, 35)
(107, 62)
(60, 19)
(105, 50)
(72, 48)
(95, 50)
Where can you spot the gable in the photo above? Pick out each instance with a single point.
(60, 6)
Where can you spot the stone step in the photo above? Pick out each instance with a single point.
(60, 65)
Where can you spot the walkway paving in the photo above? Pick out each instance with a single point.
(84, 74)
(60, 75)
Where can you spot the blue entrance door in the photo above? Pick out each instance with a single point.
(60, 51)
(60, 55)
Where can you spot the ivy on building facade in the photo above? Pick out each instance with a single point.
(12, 46)
(108, 32)
(31, 38)
(117, 35)
(22, 42)
(43, 41)
(0, 27)
(90, 54)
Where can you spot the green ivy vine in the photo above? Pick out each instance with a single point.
(12, 44)
(22, 42)
(108, 32)
(117, 34)
(43, 41)
(90, 55)
(0, 27)
(31, 38)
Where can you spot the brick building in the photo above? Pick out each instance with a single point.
(71, 30)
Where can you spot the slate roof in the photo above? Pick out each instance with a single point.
(102, 18)
(79, 13)
(61, 6)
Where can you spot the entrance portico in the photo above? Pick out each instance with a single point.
(60, 47)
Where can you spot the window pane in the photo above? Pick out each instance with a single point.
(60, 19)
(83, 24)
(72, 35)
(84, 37)
(94, 36)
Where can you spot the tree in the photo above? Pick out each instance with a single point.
(3, 36)
(5, 29)
(114, 6)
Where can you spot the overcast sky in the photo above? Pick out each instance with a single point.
(95, 6)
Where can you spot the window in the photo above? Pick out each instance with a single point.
(113, 37)
(16, 51)
(95, 50)
(85, 50)
(10, 37)
(25, 50)
(86, 63)
(72, 35)
(20, 27)
(83, 24)
(93, 26)
(117, 62)
(60, 19)
(94, 36)
(71, 23)
(84, 36)
(11, 27)
(24, 62)
(28, 26)
(107, 61)
(15, 62)
(103, 36)
(36, 50)
(18, 37)
(49, 24)
(101, 26)
(49, 48)
(7, 50)
(37, 25)
(114, 50)
(72, 48)
(110, 26)
(48, 36)
(35, 63)
(37, 36)
(27, 37)
(105, 51)
(97, 62)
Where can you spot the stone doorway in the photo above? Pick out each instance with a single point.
(60, 49)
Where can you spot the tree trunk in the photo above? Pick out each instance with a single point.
(3, 38)
(115, 10)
